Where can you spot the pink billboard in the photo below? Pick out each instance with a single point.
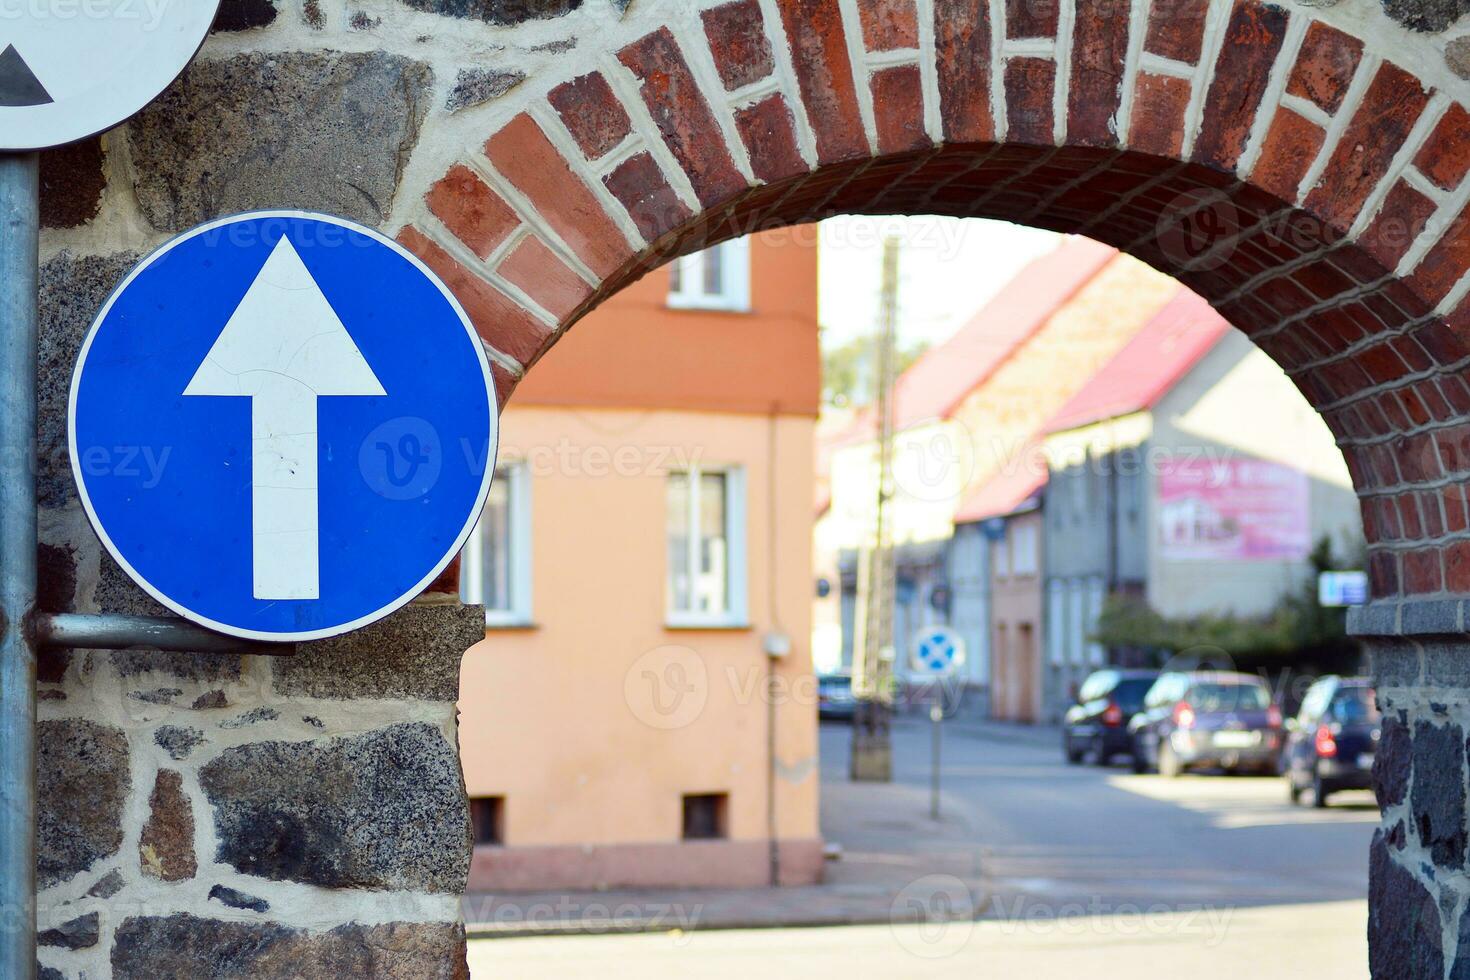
(1232, 510)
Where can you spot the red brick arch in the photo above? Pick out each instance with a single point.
(1304, 183)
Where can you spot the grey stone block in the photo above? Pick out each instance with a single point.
(82, 779)
(1404, 936)
(325, 132)
(1437, 791)
(80, 933)
(413, 654)
(178, 741)
(476, 86)
(503, 12)
(244, 15)
(189, 946)
(1426, 16)
(238, 900)
(383, 810)
(1392, 762)
(73, 290)
(1396, 663)
(1434, 617)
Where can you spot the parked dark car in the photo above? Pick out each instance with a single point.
(1331, 742)
(1209, 719)
(1097, 724)
(835, 700)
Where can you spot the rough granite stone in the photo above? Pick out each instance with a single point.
(109, 885)
(178, 741)
(252, 717)
(166, 849)
(476, 86)
(80, 933)
(415, 653)
(72, 290)
(238, 900)
(242, 15)
(1457, 56)
(188, 946)
(72, 182)
(326, 132)
(48, 973)
(501, 12)
(1391, 763)
(382, 810)
(1404, 936)
(1437, 791)
(1426, 16)
(82, 782)
(116, 593)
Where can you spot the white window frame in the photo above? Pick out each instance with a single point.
(733, 298)
(517, 477)
(1025, 550)
(737, 616)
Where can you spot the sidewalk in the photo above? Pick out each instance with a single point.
(887, 847)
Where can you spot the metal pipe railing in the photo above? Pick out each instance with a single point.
(116, 632)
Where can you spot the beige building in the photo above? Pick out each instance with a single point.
(966, 413)
(656, 725)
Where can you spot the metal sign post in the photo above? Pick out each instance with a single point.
(937, 653)
(64, 75)
(20, 248)
(936, 718)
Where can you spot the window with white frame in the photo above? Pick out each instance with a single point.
(1000, 555)
(1056, 621)
(706, 542)
(716, 279)
(495, 566)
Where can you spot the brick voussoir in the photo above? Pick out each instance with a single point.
(683, 116)
(501, 322)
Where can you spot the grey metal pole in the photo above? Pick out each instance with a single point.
(936, 717)
(20, 232)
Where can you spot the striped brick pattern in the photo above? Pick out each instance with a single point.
(1316, 191)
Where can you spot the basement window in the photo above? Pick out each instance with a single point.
(705, 816)
(487, 814)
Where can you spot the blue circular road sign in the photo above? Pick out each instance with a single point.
(938, 650)
(283, 426)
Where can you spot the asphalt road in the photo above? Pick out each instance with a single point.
(1036, 869)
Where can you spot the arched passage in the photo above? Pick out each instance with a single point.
(1304, 181)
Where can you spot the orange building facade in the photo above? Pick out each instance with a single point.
(656, 725)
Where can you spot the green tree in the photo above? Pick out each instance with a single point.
(847, 370)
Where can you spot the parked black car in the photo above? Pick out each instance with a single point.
(1331, 742)
(1207, 719)
(835, 700)
(1097, 724)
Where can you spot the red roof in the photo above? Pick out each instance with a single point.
(935, 385)
(1020, 479)
(1149, 366)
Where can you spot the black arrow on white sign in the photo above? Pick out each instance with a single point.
(19, 86)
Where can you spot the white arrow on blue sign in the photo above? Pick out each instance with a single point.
(938, 650)
(283, 426)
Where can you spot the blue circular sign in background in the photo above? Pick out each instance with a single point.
(166, 478)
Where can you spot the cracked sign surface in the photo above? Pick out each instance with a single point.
(69, 70)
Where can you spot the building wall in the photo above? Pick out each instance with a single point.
(635, 352)
(969, 579)
(1238, 402)
(1017, 648)
(1096, 541)
(595, 721)
(1002, 416)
